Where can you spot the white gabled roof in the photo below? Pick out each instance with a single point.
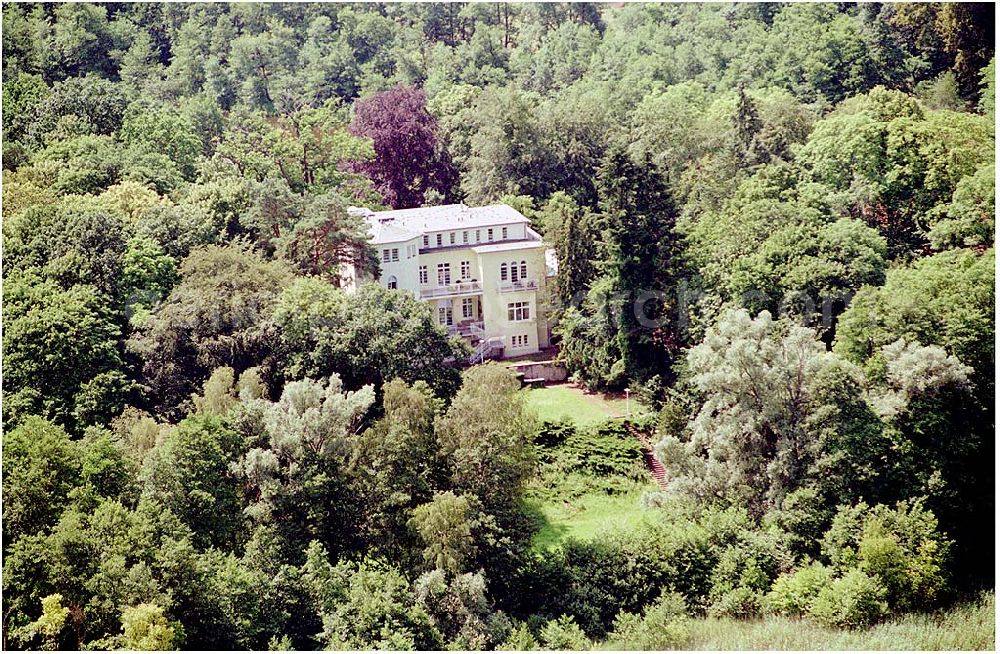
(406, 224)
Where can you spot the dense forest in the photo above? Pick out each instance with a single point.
(774, 224)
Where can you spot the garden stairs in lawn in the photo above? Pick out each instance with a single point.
(654, 465)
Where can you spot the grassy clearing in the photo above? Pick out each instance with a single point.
(967, 626)
(568, 401)
(588, 516)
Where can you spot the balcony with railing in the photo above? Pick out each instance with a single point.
(451, 290)
(468, 329)
(521, 285)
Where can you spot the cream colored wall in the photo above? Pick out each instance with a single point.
(405, 269)
(495, 303)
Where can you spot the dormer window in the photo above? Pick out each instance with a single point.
(489, 234)
(427, 241)
(503, 234)
(439, 242)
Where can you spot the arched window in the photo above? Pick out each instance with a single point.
(503, 272)
(513, 271)
(524, 270)
(392, 282)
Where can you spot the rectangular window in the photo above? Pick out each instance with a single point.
(519, 340)
(423, 274)
(517, 311)
(489, 234)
(385, 255)
(467, 307)
(466, 270)
(411, 251)
(451, 238)
(395, 254)
(444, 274)
(503, 234)
(439, 240)
(427, 241)
(477, 236)
(444, 316)
(465, 237)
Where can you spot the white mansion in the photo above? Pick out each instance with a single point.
(483, 269)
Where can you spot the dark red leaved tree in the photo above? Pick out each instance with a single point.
(408, 158)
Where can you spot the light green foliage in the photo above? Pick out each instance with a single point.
(145, 627)
(563, 633)
(295, 470)
(460, 609)
(445, 525)
(164, 131)
(901, 547)
(988, 82)
(41, 466)
(520, 640)
(971, 217)
(663, 626)
(945, 299)
(784, 256)
(176, 185)
(793, 593)
(887, 161)
(853, 601)
(52, 621)
(966, 626)
(486, 436)
(756, 378)
(371, 606)
(218, 394)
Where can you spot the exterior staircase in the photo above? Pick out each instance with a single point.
(655, 467)
(488, 348)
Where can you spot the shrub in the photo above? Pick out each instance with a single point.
(606, 450)
(793, 593)
(740, 603)
(853, 601)
(902, 547)
(520, 639)
(563, 633)
(664, 626)
(746, 566)
(553, 434)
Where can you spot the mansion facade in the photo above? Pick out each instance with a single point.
(483, 270)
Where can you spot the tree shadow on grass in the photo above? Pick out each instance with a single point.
(547, 534)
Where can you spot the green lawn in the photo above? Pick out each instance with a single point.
(568, 401)
(592, 514)
(587, 517)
